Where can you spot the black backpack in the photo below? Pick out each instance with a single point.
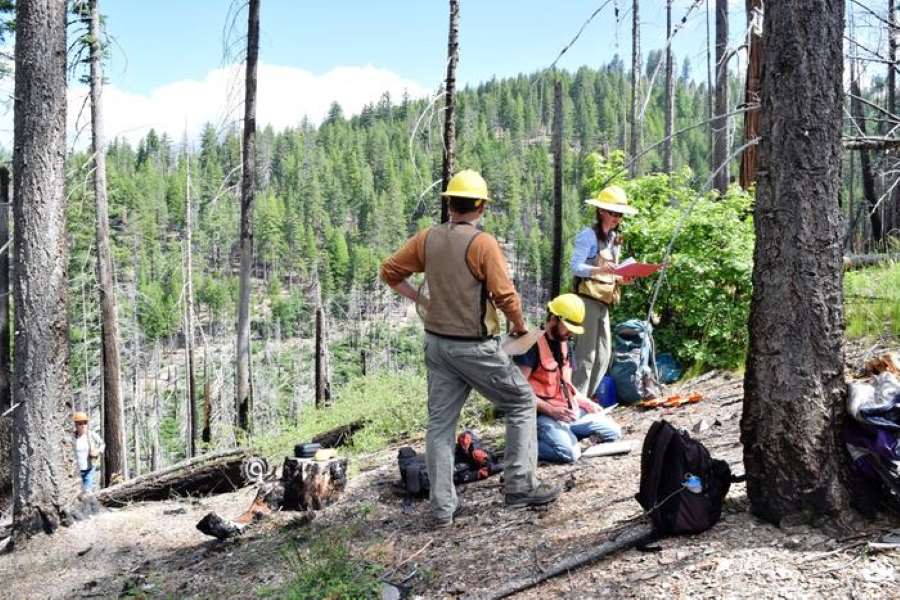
(472, 463)
(413, 472)
(668, 457)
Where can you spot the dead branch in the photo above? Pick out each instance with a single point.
(870, 143)
(629, 538)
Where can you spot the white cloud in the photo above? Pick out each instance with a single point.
(284, 96)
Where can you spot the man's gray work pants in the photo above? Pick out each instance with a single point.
(454, 368)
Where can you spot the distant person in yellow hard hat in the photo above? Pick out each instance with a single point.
(595, 256)
(88, 448)
(467, 280)
(565, 415)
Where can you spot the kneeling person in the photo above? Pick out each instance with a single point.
(564, 415)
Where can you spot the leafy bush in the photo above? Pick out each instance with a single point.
(326, 568)
(705, 298)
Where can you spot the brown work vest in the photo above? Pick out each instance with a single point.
(459, 305)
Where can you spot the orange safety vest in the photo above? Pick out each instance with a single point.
(548, 381)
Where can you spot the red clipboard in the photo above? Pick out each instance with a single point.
(637, 270)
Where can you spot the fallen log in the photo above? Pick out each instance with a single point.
(858, 261)
(339, 435)
(213, 473)
(627, 539)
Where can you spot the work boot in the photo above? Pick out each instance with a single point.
(543, 493)
(444, 522)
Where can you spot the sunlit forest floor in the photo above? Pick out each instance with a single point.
(152, 550)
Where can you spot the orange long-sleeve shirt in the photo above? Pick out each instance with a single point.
(485, 259)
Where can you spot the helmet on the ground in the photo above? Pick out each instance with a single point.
(467, 184)
(569, 308)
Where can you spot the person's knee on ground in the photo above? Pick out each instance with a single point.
(595, 425)
(560, 453)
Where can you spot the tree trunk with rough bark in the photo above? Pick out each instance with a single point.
(323, 381)
(44, 479)
(668, 164)
(868, 177)
(191, 408)
(244, 399)
(709, 82)
(892, 59)
(156, 421)
(720, 152)
(556, 275)
(449, 104)
(751, 96)
(635, 120)
(115, 465)
(892, 205)
(794, 386)
(5, 392)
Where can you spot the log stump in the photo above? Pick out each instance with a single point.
(312, 485)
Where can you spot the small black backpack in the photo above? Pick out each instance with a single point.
(669, 456)
(471, 463)
(413, 472)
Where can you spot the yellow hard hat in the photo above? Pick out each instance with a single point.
(613, 199)
(570, 309)
(467, 184)
(80, 417)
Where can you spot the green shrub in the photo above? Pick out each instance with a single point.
(705, 299)
(292, 313)
(326, 568)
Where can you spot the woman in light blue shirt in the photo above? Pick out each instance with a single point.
(594, 258)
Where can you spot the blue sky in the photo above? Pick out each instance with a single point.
(167, 69)
(171, 40)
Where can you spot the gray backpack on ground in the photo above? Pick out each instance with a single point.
(633, 366)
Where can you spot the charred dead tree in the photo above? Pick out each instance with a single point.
(244, 398)
(556, 274)
(323, 380)
(668, 165)
(720, 151)
(793, 400)
(709, 82)
(868, 176)
(449, 103)
(751, 94)
(213, 473)
(44, 482)
(891, 220)
(115, 464)
(191, 408)
(5, 358)
(634, 117)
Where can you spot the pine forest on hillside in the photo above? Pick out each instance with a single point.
(333, 201)
(167, 237)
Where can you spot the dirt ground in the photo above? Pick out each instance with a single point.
(153, 550)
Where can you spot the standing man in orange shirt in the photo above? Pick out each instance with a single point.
(467, 281)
